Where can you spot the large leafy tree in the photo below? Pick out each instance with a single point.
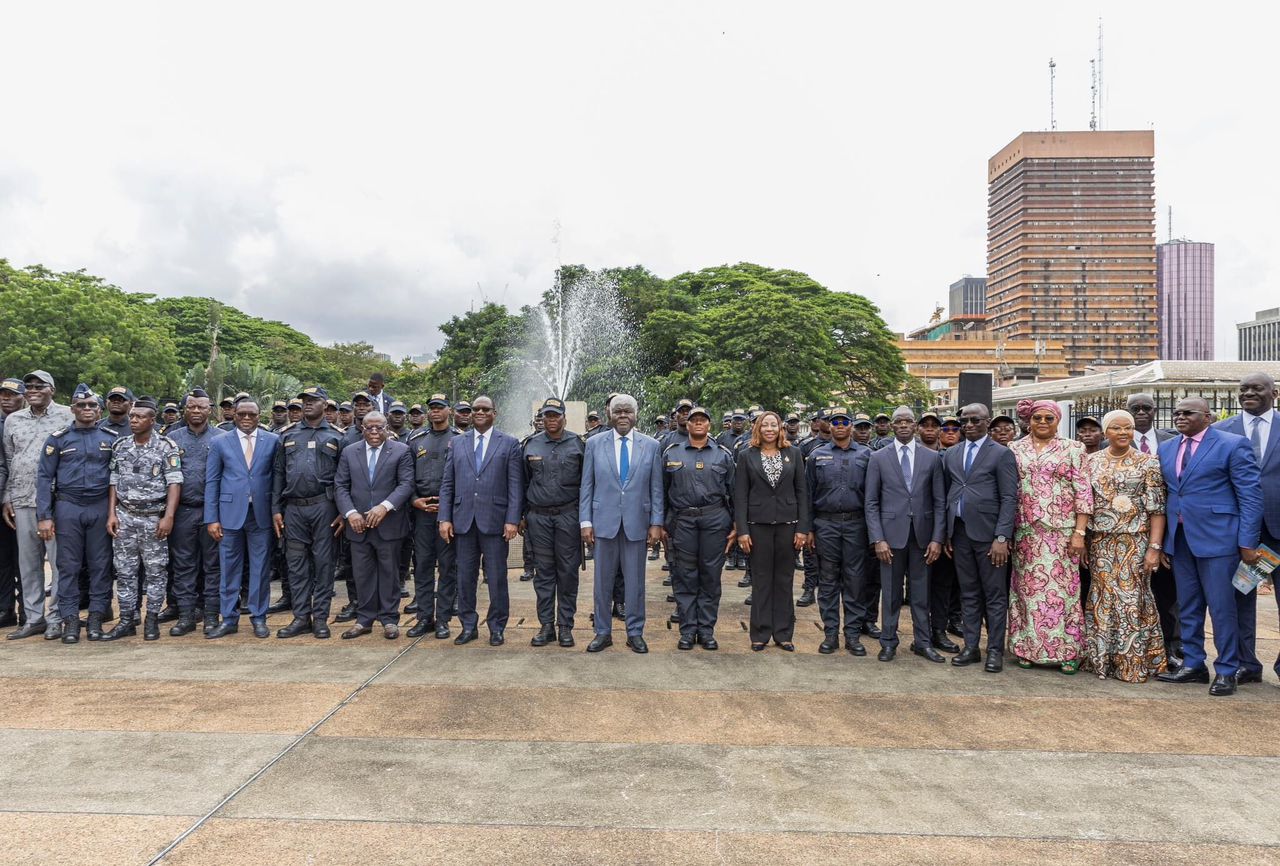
(479, 352)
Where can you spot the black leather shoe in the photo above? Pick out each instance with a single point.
(169, 613)
(31, 629)
(666, 581)
(619, 612)
(442, 630)
(1223, 686)
(887, 653)
(151, 627)
(94, 631)
(674, 619)
(411, 607)
(1244, 677)
(527, 576)
(637, 644)
(295, 628)
(211, 622)
(928, 652)
(566, 637)
(685, 642)
(829, 645)
(281, 606)
(321, 630)
(465, 636)
(1185, 675)
(956, 629)
(600, 642)
(421, 627)
(71, 630)
(944, 643)
(545, 635)
(805, 599)
(745, 582)
(1173, 663)
(671, 597)
(653, 555)
(223, 629)
(968, 656)
(871, 630)
(709, 642)
(496, 638)
(747, 601)
(666, 567)
(854, 645)
(185, 625)
(347, 614)
(260, 626)
(126, 626)
(356, 631)
(995, 661)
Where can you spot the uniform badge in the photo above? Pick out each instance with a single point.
(49, 449)
(698, 465)
(155, 470)
(311, 443)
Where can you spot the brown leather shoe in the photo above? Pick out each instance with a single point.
(357, 630)
(390, 631)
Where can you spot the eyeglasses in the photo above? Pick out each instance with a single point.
(1043, 419)
(1186, 413)
(376, 428)
(84, 405)
(481, 409)
(970, 421)
(37, 386)
(840, 422)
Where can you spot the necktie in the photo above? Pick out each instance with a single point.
(906, 466)
(1255, 439)
(373, 464)
(624, 462)
(479, 452)
(248, 451)
(1144, 447)
(1187, 445)
(969, 455)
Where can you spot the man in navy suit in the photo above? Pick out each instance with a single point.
(620, 510)
(237, 509)
(1260, 424)
(481, 499)
(1214, 517)
(372, 486)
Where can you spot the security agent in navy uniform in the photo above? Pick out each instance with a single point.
(837, 474)
(305, 515)
(192, 551)
(809, 556)
(228, 406)
(697, 479)
(72, 480)
(553, 475)
(435, 598)
(119, 402)
(279, 416)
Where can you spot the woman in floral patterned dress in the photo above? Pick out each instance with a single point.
(1055, 500)
(1122, 624)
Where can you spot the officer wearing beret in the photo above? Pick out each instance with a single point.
(304, 513)
(192, 552)
(553, 476)
(71, 502)
(435, 569)
(698, 484)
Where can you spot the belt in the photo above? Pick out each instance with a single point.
(147, 509)
(310, 500)
(553, 509)
(81, 499)
(700, 510)
(839, 515)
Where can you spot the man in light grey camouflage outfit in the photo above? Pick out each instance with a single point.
(146, 483)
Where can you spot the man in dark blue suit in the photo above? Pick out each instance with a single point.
(1215, 515)
(237, 509)
(1260, 424)
(481, 499)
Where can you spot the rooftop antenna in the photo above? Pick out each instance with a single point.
(1053, 121)
(1171, 223)
(1101, 91)
(1093, 94)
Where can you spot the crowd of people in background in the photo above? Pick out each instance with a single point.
(1105, 552)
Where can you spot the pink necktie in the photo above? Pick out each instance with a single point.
(1146, 449)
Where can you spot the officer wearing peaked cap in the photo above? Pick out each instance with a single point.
(192, 551)
(279, 415)
(435, 569)
(119, 401)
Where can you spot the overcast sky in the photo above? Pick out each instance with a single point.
(366, 171)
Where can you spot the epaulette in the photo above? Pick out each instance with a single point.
(724, 449)
(286, 427)
(57, 433)
(669, 447)
(453, 429)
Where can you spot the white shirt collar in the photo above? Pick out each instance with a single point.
(979, 443)
(618, 437)
(910, 445)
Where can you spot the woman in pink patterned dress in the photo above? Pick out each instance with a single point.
(1055, 501)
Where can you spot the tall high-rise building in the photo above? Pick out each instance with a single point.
(969, 296)
(1184, 300)
(1260, 339)
(1071, 244)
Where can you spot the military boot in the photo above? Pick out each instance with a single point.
(210, 619)
(186, 624)
(126, 626)
(169, 614)
(71, 629)
(95, 626)
(151, 627)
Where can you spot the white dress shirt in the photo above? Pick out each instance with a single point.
(368, 453)
(1152, 442)
(1265, 421)
(617, 458)
(910, 447)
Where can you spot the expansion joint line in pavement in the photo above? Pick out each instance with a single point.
(297, 741)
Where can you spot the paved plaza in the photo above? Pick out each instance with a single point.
(419, 752)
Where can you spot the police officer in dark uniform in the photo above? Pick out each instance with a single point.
(346, 415)
(72, 481)
(331, 413)
(279, 415)
(698, 482)
(881, 432)
(677, 432)
(192, 552)
(462, 416)
(361, 405)
(792, 427)
(553, 475)
(819, 435)
(398, 422)
(837, 474)
(417, 417)
(168, 416)
(737, 423)
(434, 598)
(593, 424)
(527, 557)
(228, 406)
(119, 402)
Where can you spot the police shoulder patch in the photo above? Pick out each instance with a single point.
(60, 432)
(49, 449)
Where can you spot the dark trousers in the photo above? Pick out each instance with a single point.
(342, 571)
(907, 565)
(193, 552)
(1274, 543)
(942, 583)
(809, 559)
(1206, 582)
(983, 590)
(699, 543)
(82, 542)
(435, 597)
(869, 598)
(476, 548)
(556, 540)
(249, 545)
(842, 551)
(614, 555)
(1165, 590)
(773, 568)
(375, 563)
(10, 587)
(309, 548)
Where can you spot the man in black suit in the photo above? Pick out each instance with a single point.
(906, 505)
(372, 486)
(982, 499)
(1147, 438)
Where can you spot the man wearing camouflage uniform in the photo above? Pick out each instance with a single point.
(146, 484)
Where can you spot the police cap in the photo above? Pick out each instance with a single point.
(554, 405)
(83, 392)
(438, 400)
(120, 392)
(314, 391)
(14, 385)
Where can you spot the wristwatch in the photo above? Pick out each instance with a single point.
(1154, 546)
(1080, 532)
(1001, 539)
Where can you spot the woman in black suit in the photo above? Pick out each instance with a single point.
(771, 509)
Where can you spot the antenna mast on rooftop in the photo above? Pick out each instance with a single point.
(1093, 94)
(1101, 90)
(1053, 120)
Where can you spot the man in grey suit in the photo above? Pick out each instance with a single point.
(1147, 438)
(481, 499)
(620, 510)
(906, 509)
(372, 486)
(982, 501)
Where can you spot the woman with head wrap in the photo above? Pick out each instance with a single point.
(1055, 500)
(1122, 624)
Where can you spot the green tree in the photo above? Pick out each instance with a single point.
(479, 352)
